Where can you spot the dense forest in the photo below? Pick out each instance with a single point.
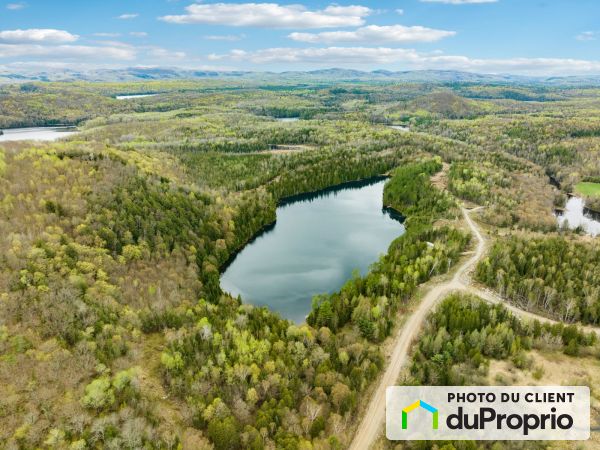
(461, 338)
(514, 195)
(111, 310)
(555, 276)
(464, 332)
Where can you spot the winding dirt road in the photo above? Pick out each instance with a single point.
(370, 427)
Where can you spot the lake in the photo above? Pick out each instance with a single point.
(575, 215)
(36, 134)
(400, 128)
(313, 248)
(130, 96)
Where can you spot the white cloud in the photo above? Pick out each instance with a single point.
(409, 59)
(37, 35)
(111, 35)
(399, 11)
(112, 43)
(375, 34)
(139, 34)
(225, 37)
(459, 2)
(162, 54)
(26, 66)
(326, 56)
(16, 6)
(271, 15)
(55, 45)
(57, 52)
(36, 66)
(128, 16)
(587, 36)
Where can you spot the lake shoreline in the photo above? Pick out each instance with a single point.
(39, 126)
(311, 195)
(321, 238)
(576, 215)
(264, 229)
(586, 209)
(136, 95)
(36, 133)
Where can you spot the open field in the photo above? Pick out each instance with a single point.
(588, 189)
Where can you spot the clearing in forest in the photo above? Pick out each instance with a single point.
(587, 188)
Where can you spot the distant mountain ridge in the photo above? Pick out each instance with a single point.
(332, 74)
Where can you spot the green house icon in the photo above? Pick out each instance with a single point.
(425, 406)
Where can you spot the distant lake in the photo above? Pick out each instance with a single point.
(400, 128)
(287, 119)
(315, 245)
(36, 134)
(575, 215)
(130, 96)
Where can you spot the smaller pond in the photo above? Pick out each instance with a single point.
(130, 96)
(403, 128)
(37, 134)
(287, 119)
(576, 215)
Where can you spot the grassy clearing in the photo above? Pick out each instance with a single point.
(587, 188)
(549, 368)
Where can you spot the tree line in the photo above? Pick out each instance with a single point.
(554, 276)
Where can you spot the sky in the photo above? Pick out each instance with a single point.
(526, 37)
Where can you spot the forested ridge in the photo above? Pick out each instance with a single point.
(557, 277)
(464, 332)
(110, 306)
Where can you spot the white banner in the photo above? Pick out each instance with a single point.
(488, 413)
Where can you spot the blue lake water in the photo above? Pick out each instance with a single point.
(36, 134)
(315, 245)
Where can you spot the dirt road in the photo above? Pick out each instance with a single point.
(369, 428)
(372, 423)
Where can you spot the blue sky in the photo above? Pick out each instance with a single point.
(538, 37)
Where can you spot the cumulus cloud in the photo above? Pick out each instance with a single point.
(37, 35)
(409, 59)
(55, 45)
(57, 52)
(375, 34)
(327, 56)
(15, 6)
(112, 43)
(587, 36)
(111, 35)
(162, 53)
(271, 15)
(128, 16)
(25, 66)
(225, 37)
(51, 46)
(459, 2)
